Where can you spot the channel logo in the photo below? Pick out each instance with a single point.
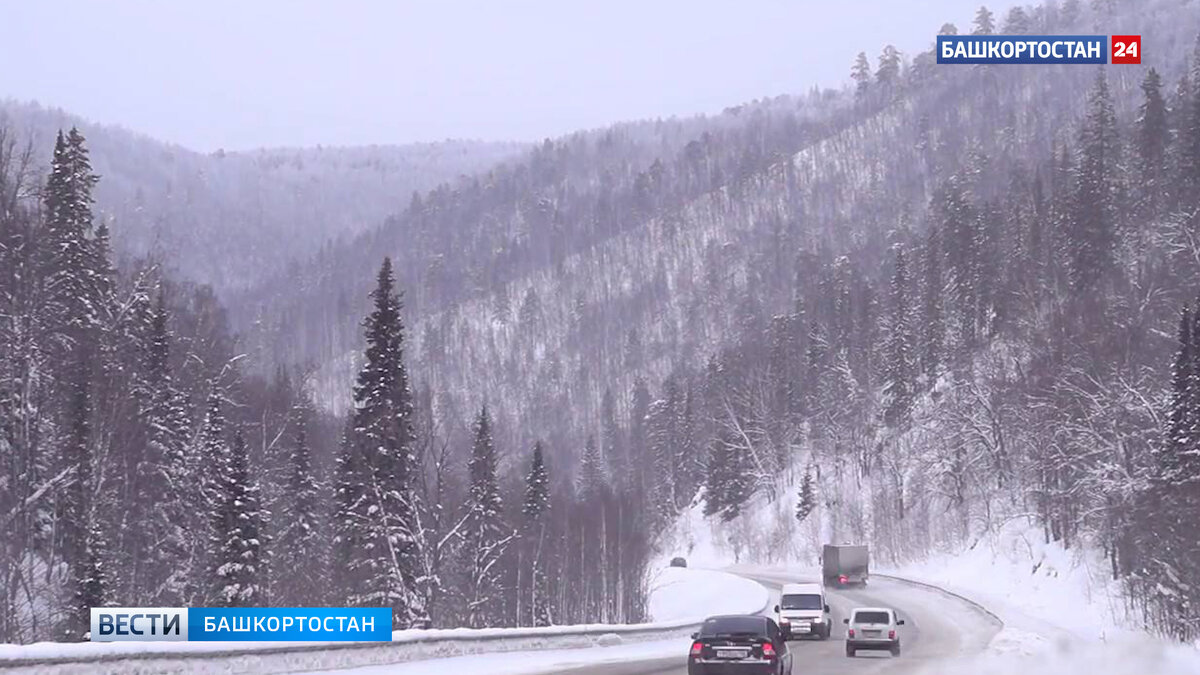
(139, 624)
(236, 624)
(1037, 49)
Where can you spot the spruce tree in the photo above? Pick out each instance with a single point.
(238, 575)
(593, 480)
(165, 517)
(898, 370)
(861, 74)
(933, 329)
(1153, 136)
(351, 521)
(214, 451)
(300, 547)
(91, 583)
(79, 545)
(537, 486)
(377, 502)
(486, 534)
(985, 22)
(71, 264)
(889, 66)
(1092, 237)
(639, 459)
(687, 459)
(610, 436)
(1190, 134)
(662, 427)
(1017, 22)
(807, 500)
(536, 504)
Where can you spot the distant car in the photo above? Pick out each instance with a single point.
(803, 611)
(678, 562)
(873, 628)
(739, 644)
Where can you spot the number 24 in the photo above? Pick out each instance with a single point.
(1121, 50)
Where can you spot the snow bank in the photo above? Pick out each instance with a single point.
(679, 594)
(679, 599)
(531, 663)
(1062, 611)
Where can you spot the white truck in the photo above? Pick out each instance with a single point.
(802, 610)
(845, 565)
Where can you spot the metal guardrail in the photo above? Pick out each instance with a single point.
(913, 582)
(270, 658)
(293, 657)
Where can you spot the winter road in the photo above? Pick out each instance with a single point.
(940, 633)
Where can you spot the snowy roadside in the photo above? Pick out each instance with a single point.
(677, 595)
(1062, 613)
(679, 599)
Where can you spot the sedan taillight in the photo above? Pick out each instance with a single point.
(851, 633)
(768, 650)
(697, 647)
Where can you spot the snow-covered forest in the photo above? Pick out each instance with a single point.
(915, 308)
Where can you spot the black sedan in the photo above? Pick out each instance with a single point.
(739, 644)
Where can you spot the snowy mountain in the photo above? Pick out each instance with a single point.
(230, 218)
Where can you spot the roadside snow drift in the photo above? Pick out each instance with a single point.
(678, 594)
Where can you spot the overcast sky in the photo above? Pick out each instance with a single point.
(237, 74)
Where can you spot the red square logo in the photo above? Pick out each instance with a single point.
(1127, 49)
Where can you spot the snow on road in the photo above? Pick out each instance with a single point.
(676, 594)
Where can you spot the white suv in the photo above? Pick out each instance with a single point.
(802, 610)
(873, 628)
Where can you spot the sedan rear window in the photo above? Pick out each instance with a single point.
(872, 617)
(735, 625)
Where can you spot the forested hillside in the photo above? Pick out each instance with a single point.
(725, 296)
(229, 219)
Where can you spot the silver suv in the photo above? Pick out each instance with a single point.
(873, 628)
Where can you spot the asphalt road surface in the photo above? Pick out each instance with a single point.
(940, 635)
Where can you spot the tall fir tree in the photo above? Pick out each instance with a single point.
(69, 261)
(487, 535)
(537, 486)
(898, 387)
(1190, 133)
(166, 519)
(985, 22)
(611, 437)
(1092, 237)
(300, 547)
(933, 329)
(662, 427)
(214, 450)
(1153, 137)
(888, 73)
(861, 74)
(638, 446)
(91, 583)
(593, 479)
(351, 520)
(534, 510)
(81, 543)
(377, 502)
(238, 576)
(807, 499)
